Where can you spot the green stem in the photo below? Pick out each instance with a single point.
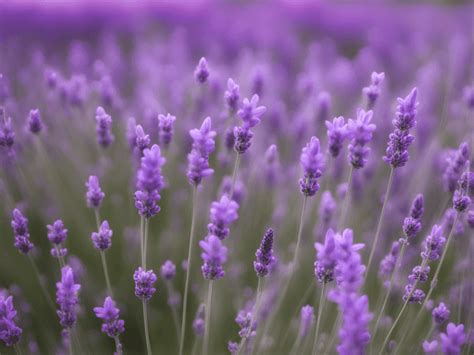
(106, 272)
(170, 290)
(234, 174)
(345, 204)
(142, 240)
(188, 268)
(205, 345)
(43, 288)
(18, 349)
(145, 243)
(379, 224)
(294, 263)
(97, 218)
(118, 346)
(322, 299)
(145, 324)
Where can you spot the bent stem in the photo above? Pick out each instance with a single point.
(106, 272)
(318, 321)
(188, 268)
(379, 225)
(145, 324)
(205, 344)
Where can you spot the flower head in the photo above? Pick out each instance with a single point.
(102, 239)
(201, 73)
(168, 270)
(9, 332)
(222, 214)
(198, 323)
(433, 244)
(306, 320)
(250, 113)
(312, 161)
(264, 255)
(142, 139)
(67, 297)
(112, 326)
(94, 194)
(165, 129)
(232, 96)
(144, 280)
(372, 91)
(7, 135)
(326, 258)
(19, 225)
(440, 314)
(453, 340)
(455, 164)
(214, 255)
(198, 158)
(360, 131)
(35, 124)
(337, 133)
(57, 235)
(103, 127)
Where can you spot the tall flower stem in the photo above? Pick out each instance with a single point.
(169, 288)
(234, 174)
(294, 264)
(205, 344)
(106, 273)
(322, 299)
(434, 280)
(18, 349)
(145, 325)
(389, 288)
(145, 243)
(97, 217)
(379, 225)
(188, 268)
(253, 316)
(43, 288)
(345, 204)
(142, 240)
(118, 346)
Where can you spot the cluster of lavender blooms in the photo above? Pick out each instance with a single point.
(197, 141)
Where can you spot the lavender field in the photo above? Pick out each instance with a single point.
(219, 177)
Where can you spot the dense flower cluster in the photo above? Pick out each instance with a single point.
(264, 255)
(112, 326)
(67, 297)
(20, 231)
(198, 158)
(214, 255)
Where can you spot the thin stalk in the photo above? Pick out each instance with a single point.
(106, 273)
(345, 204)
(142, 240)
(332, 337)
(234, 174)
(379, 225)
(387, 294)
(145, 243)
(296, 345)
(70, 345)
(169, 288)
(145, 324)
(294, 265)
(43, 288)
(18, 349)
(60, 258)
(97, 218)
(253, 316)
(188, 268)
(322, 299)
(118, 346)
(205, 344)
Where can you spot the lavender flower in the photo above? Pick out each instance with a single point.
(57, 235)
(222, 214)
(94, 194)
(360, 131)
(142, 140)
(456, 163)
(9, 332)
(400, 139)
(388, 263)
(67, 297)
(417, 207)
(412, 223)
(102, 239)
(19, 225)
(165, 129)
(7, 135)
(264, 255)
(214, 255)
(202, 71)
(461, 199)
(168, 270)
(103, 127)
(440, 314)
(453, 340)
(232, 96)
(244, 321)
(312, 161)
(337, 133)
(144, 280)
(372, 91)
(433, 244)
(149, 182)
(326, 211)
(198, 323)
(250, 114)
(198, 159)
(430, 347)
(112, 326)
(271, 164)
(410, 296)
(35, 124)
(326, 258)
(306, 320)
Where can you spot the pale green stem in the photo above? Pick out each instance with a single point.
(106, 273)
(345, 204)
(118, 346)
(379, 225)
(43, 288)
(234, 174)
(205, 345)
(145, 243)
(332, 337)
(170, 290)
(322, 299)
(296, 345)
(188, 269)
(253, 316)
(18, 349)
(294, 263)
(145, 324)
(97, 218)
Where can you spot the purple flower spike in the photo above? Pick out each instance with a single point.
(214, 255)
(35, 124)
(430, 347)
(306, 320)
(67, 297)
(360, 131)
(326, 258)
(250, 113)
(103, 127)
(144, 281)
(102, 239)
(9, 332)
(94, 194)
(232, 96)
(433, 244)
(19, 225)
(168, 270)
(198, 323)
(337, 133)
(198, 159)
(440, 314)
(372, 91)
(264, 255)
(202, 71)
(7, 135)
(456, 163)
(312, 161)
(416, 296)
(417, 207)
(112, 326)
(222, 214)
(453, 340)
(149, 182)
(165, 129)
(388, 263)
(142, 139)
(57, 235)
